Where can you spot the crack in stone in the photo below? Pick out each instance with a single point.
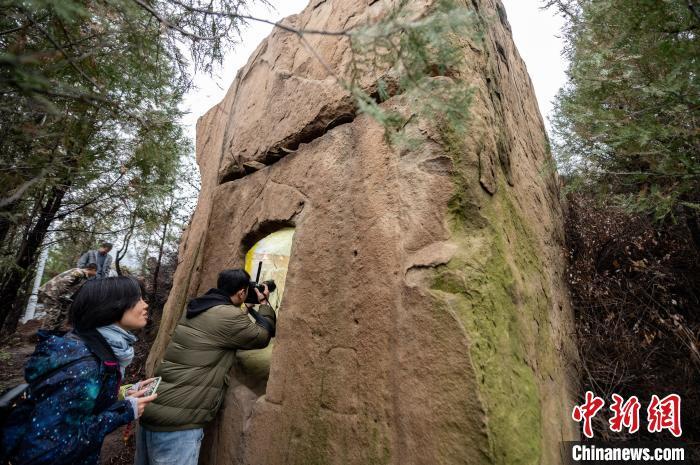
(306, 197)
(329, 117)
(344, 113)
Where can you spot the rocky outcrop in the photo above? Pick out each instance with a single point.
(425, 318)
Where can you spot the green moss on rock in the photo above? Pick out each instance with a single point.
(494, 285)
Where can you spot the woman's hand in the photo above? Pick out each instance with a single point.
(138, 396)
(139, 388)
(142, 403)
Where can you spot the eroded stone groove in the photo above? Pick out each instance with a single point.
(328, 119)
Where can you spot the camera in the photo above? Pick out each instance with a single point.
(252, 296)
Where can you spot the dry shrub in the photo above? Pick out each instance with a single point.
(636, 290)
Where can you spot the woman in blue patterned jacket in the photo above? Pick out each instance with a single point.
(74, 380)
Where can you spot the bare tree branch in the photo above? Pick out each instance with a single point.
(232, 16)
(277, 24)
(15, 29)
(693, 9)
(563, 6)
(170, 25)
(89, 202)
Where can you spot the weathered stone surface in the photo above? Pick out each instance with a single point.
(285, 96)
(425, 318)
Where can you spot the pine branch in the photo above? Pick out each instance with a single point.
(277, 24)
(172, 26)
(58, 47)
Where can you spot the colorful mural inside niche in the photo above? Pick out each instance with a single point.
(273, 251)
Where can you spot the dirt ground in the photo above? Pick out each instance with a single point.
(14, 352)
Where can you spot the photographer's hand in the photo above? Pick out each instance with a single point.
(262, 296)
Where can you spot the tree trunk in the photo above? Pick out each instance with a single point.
(121, 253)
(14, 280)
(144, 257)
(5, 222)
(156, 271)
(692, 221)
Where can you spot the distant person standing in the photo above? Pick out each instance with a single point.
(99, 257)
(57, 294)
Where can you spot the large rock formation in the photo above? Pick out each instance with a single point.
(425, 318)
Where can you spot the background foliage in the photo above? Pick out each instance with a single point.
(90, 134)
(627, 123)
(626, 139)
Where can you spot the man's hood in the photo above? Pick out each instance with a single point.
(212, 298)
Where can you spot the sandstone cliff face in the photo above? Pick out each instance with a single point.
(425, 318)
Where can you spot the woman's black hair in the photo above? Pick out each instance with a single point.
(101, 302)
(232, 281)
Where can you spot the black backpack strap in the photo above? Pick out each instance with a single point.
(97, 345)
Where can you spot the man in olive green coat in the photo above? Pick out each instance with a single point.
(194, 368)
